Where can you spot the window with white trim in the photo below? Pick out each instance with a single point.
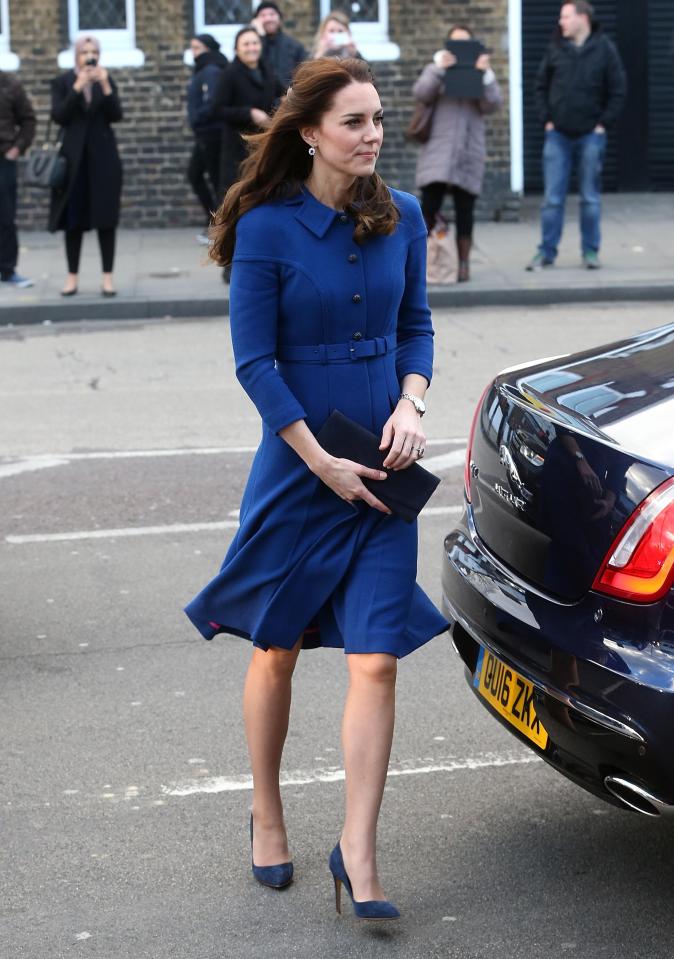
(8, 60)
(113, 23)
(222, 19)
(369, 26)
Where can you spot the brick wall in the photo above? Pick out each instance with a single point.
(154, 138)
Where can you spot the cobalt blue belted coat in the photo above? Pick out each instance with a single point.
(321, 323)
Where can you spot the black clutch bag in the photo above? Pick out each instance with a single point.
(405, 492)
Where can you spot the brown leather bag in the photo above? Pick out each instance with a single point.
(421, 121)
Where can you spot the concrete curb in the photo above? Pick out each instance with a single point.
(140, 308)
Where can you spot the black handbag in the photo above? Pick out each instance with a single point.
(45, 166)
(421, 121)
(405, 492)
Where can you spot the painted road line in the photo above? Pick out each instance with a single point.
(23, 539)
(30, 464)
(333, 774)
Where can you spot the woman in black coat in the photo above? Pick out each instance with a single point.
(85, 103)
(244, 97)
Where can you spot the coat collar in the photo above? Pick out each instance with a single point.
(313, 214)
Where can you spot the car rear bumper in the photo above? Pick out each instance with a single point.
(602, 689)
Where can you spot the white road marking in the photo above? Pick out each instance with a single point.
(446, 461)
(219, 784)
(25, 538)
(30, 464)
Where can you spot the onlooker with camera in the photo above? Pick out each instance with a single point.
(453, 158)
(17, 129)
(246, 92)
(334, 39)
(580, 91)
(203, 170)
(281, 51)
(85, 103)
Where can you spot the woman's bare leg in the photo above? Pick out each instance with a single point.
(367, 733)
(266, 709)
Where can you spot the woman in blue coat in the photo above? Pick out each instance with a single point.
(328, 311)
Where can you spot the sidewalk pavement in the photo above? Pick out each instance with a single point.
(165, 272)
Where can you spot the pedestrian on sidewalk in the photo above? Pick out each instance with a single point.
(245, 95)
(328, 275)
(280, 51)
(86, 104)
(333, 37)
(17, 129)
(203, 169)
(453, 158)
(580, 92)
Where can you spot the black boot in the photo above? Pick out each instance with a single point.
(463, 245)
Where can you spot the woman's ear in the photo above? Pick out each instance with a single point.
(308, 134)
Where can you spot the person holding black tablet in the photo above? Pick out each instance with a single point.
(453, 158)
(328, 311)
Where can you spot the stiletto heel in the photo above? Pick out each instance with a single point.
(276, 877)
(373, 909)
(338, 895)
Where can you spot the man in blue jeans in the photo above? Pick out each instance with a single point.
(17, 129)
(580, 91)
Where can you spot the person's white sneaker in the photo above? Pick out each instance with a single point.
(20, 282)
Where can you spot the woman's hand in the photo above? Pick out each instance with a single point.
(482, 62)
(344, 477)
(444, 59)
(86, 75)
(404, 435)
(259, 117)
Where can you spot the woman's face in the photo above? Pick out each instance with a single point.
(88, 52)
(460, 34)
(350, 134)
(249, 48)
(336, 33)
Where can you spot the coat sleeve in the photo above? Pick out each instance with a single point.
(253, 306)
(493, 98)
(542, 87)
(24, 116)
(414, 352)
(64, 102)
(616, 87)
(201, 96)
(111, 106)
(429, 84)
(225, 106)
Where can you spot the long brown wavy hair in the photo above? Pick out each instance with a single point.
(278, 162)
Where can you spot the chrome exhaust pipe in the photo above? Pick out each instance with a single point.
(636, 797)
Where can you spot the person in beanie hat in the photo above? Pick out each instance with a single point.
(203, 169)
(280, 51)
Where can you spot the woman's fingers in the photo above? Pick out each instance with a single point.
(404, 451)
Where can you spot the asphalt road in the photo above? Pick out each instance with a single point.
(124, 787)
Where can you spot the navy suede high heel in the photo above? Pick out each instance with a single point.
(373, 909)
(276, 877)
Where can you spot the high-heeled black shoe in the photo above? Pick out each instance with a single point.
(373, 908)
(72, 292)
(276, 877)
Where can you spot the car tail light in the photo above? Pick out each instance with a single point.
(471, 435)
(640, 564)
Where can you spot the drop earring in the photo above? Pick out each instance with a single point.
(312, 151)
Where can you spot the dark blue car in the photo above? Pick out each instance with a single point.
(558, 580)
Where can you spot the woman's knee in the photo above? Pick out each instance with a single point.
(380, 668)
(276, 663)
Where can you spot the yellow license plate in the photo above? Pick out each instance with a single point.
(511, 695)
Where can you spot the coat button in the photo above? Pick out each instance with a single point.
(356, 297)
(343, 218)
(352, 257)
(357, 335)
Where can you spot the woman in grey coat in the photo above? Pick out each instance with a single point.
(453, 158)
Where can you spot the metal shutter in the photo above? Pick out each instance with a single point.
(661, 94)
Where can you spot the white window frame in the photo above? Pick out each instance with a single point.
(8, 60)
(372, 37)
(118, 47)
(224, 33)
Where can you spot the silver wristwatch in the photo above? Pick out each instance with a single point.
(418, 403)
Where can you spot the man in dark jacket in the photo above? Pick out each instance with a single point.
(17, 129)
(580, 91)
(281, 51)
(203, 170)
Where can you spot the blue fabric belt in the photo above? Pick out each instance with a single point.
(336, 352)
